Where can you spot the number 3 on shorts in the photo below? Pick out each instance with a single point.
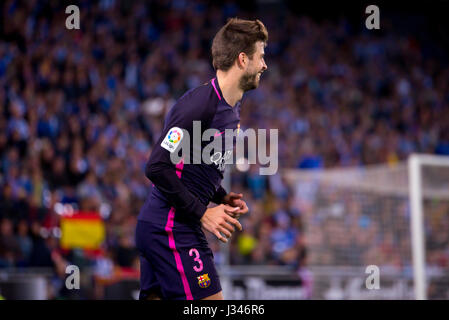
(197, 259)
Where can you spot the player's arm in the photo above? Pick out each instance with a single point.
(165, 179)
(219, 195)
(162, 172)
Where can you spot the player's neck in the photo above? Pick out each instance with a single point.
(229, 87)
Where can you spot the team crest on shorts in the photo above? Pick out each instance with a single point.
(203, 280)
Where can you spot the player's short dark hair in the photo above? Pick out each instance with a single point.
(236, 36)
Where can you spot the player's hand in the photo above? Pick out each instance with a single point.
(235, 200)
(219, 220)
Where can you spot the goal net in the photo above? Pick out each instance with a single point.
(358, 227)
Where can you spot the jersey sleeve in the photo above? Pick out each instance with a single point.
(160, 169)
(219, 195)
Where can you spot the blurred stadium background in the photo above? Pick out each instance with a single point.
(81, 109)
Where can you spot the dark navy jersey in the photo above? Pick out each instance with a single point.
(188, 187)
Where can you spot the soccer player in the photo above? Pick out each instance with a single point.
(175, 260)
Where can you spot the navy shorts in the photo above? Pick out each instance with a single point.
(176, 262)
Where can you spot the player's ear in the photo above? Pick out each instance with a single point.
(242, 60)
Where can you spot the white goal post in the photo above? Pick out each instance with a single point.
(415, 164)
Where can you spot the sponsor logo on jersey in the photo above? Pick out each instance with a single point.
(220, 159)
(218, 133)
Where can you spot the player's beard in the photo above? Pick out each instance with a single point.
(249, 81)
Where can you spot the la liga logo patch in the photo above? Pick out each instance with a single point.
(174, 136)
(172, 139)
(203, 280)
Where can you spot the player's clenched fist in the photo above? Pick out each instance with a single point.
(218, 220)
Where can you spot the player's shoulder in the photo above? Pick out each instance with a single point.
(200, 94)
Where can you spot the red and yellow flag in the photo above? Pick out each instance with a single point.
(83, 230)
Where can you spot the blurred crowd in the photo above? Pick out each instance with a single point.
(81, 109)
(351, 226)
